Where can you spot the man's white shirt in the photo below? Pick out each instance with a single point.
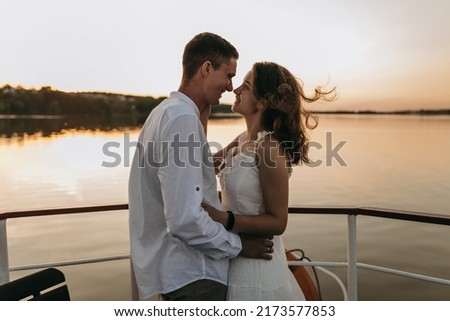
(173, 240)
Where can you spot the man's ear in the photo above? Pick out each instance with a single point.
(206, 68)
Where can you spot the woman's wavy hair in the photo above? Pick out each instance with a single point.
(283, 98)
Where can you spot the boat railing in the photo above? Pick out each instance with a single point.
(352, 264)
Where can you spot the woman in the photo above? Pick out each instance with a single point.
(254, 170)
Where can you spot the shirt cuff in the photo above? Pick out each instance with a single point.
(235, 245)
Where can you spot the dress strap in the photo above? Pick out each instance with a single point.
(261, 135)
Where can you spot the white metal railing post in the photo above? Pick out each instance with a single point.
(352, 260)
(4, 260)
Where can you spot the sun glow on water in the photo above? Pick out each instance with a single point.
(58, 170)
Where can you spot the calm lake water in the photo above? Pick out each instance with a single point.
(395, 162)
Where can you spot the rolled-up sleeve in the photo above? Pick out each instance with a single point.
(181, 178)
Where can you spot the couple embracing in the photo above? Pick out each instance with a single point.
(186, 244)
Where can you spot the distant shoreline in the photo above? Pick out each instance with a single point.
(226, 112)
(230, 114)
(395, 112)
(224, 115)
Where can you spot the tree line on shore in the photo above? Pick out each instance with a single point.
(48, 111)
(47, 101)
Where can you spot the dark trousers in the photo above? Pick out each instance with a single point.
(201, 290)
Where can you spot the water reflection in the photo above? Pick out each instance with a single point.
(397, 162)
(44, 126)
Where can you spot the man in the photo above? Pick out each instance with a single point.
(177, 250)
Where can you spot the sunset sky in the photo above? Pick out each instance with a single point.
(381, 54)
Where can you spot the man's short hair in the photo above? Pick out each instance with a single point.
(203, 47)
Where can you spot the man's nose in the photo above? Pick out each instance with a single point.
(230, 86)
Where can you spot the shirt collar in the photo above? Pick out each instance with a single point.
(179, 95)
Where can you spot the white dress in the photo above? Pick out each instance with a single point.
(253, 279)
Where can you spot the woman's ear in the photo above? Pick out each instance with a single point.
(260, 106)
